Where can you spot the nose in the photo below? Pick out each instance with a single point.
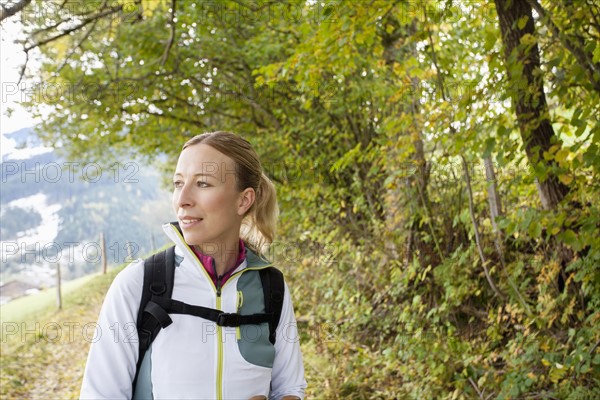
(184, 196)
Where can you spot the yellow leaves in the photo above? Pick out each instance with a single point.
(522, 22)
(554, 148)
(508, 315)
(561, 155)
(260, 80)
(412, 273)
(570, 307)
(557, 372)
(425, 271)
(528, 40)
(548, 272)
(546, 363)
(566, 179)
(151, 5)
(549, 155)
(398, 69)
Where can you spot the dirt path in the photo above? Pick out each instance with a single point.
(45, 357)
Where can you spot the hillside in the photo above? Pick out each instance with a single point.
(54, 210)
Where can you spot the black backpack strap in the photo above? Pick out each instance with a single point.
(164, 306)
(159, 275)
(273, 289)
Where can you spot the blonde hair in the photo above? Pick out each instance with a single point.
(259, 223)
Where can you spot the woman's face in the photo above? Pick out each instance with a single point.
(208, 205)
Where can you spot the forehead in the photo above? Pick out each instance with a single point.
(202, 158)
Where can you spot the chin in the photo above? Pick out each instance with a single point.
(191, 239)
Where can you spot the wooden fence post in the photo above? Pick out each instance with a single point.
(103, 249)
(58, 289)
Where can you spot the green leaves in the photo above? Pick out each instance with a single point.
(596, 53)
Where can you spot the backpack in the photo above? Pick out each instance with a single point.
(157, 304)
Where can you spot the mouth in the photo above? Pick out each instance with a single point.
(188, 222)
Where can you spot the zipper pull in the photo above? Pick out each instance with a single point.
(219, 277)
(240, 300)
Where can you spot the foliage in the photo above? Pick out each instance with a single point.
(370, 116)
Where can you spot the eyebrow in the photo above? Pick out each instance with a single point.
(195, 175)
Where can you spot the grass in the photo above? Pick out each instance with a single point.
(27, 306)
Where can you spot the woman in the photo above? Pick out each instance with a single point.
(226, 209)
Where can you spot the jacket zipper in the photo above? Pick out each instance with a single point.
(219, 344)
(218, 288)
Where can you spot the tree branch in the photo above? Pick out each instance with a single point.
(496, 211)
(173, 117)
(479, 393)
(429, 219)
(85, 22)
(10, 11)
(579, 53)
(77, 46)
(476, 229)
(247, 99)
(193, 106)
(64, 21)
(165, 55)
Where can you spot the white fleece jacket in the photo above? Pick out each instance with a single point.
(192, 358)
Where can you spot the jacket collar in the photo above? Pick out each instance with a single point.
(173, 232)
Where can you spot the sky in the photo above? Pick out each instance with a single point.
(11, 59)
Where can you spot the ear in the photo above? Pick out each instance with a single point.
(246, 199)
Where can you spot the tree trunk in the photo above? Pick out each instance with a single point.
(493, 196)
(584, 58)
(527, 90)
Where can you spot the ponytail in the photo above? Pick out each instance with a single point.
(258, 228)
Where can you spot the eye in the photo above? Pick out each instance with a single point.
(177, 184)
(202, 184)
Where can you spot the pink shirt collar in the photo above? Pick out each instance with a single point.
(208, 263)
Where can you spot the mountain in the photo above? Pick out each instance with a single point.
(54, 210)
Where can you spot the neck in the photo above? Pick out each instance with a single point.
(223, 262)
(225, 254)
